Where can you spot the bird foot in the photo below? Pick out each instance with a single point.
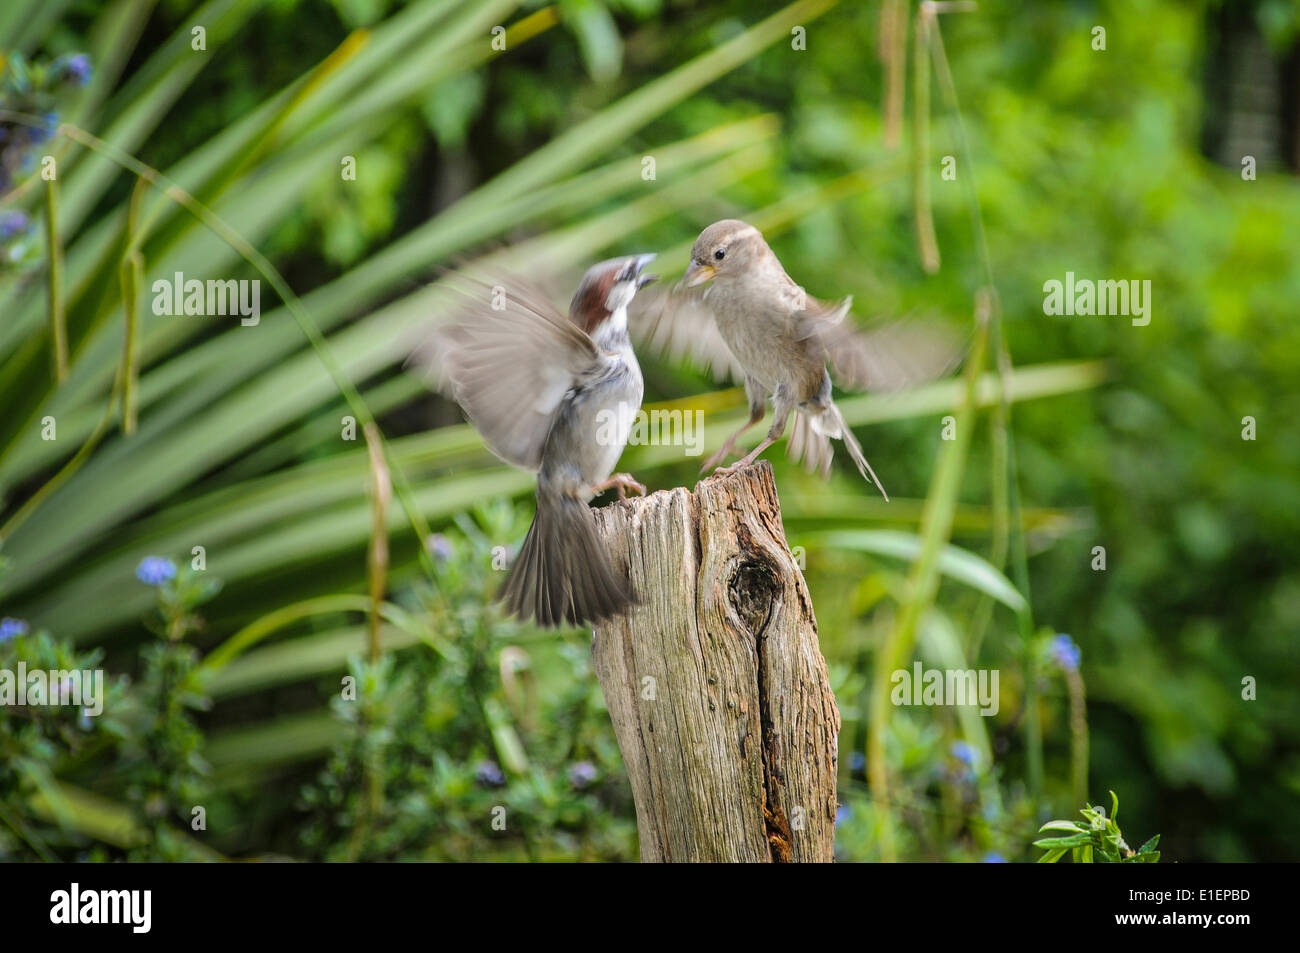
(738, 465)
(622, 482)
(717, 458)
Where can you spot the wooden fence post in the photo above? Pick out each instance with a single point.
(715, 682)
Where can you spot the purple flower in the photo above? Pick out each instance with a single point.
(155, 570)
(488, 774)
(582, 774)
(75, 67)
(13, 223)
(1066, 653)
(842, 813)
(440, 547)
(11, 629)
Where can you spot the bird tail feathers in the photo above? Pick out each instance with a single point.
(810, 441)
(564, 572)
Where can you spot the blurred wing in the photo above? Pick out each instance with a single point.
(509, 367)
(679, 325)
(886, 357)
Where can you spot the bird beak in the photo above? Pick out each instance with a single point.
(641, 262)
(697, 274)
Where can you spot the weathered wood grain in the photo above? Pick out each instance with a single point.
(715, 682)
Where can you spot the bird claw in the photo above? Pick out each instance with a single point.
(623, 482)
(738, 465)
(715, 460)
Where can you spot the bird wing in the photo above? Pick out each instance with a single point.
(509, 366)
(680, 325)
(887, 356)
(884, 357)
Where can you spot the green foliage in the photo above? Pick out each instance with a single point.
(137, 742)
(1098, 841)
(499, 749)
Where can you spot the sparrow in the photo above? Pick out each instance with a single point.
(778, 340)
(556, 395)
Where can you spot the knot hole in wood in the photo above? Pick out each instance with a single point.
(753, 591)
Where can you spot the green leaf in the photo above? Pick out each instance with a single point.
(954, 562)
(597, 36)
(1054, 843)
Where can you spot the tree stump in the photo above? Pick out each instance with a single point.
(715, 681)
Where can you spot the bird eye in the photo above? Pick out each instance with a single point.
(720, 254)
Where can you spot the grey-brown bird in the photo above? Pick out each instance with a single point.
(556, 395)
(781, 340)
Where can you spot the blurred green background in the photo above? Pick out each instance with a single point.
(226, 662)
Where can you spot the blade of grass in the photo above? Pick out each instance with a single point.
(297, 659)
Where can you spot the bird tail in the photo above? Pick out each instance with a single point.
(829, 423)
(810, 444)
(565, 573)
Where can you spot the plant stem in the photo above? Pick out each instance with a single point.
(893, 55)
(132, 277)
(1078, 735)
(927, 244)
(54, 283)
(377, 561)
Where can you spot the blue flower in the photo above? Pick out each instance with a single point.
(488, 774)
(11, 629)
(38, 134)
(1066, 653)
(74, 67)
(842, 814)
(582, 774)
(155, 570)
(13, 223)
(857, 761)
(993, 857)
(964, 753)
